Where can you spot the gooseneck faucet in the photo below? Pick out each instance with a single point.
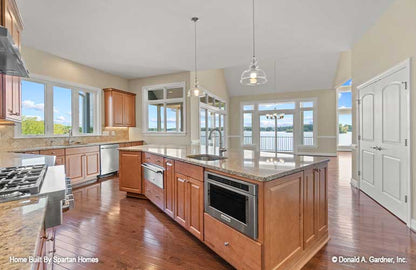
(222, 149)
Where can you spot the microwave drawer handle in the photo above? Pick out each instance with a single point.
(230, 188)
(149, 168)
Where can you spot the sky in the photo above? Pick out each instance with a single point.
(33, 102)
(345, 101)
(33, 96)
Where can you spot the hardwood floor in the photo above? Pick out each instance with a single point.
(126, 233)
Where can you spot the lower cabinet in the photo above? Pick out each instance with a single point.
(236, 248)
(58, 153)
(82, 163)
(154, 194)
(169, 187)
(189, 204)
(130, 172)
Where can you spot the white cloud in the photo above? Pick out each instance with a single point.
(38, 118)
(55, 110)
(60, 119)
(29, 104)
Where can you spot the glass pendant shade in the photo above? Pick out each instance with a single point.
(196, 91)
(253, 75)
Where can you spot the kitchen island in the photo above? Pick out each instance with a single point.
(24, 218)
(285, 224)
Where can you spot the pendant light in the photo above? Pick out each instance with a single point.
(196, 90)
(253, 75)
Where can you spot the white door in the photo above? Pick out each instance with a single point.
(384, 129)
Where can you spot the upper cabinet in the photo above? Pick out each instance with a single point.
(10, 94)
(120, 108)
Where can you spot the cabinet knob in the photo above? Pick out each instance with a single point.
(226, 244)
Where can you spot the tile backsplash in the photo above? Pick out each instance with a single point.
(9, 143)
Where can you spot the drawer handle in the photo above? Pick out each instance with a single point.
(226, 244)
(168, 164)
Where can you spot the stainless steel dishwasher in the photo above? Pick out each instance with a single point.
(109, 158)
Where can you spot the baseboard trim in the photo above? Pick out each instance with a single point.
(316, 154)
(355, 183)
(413, 225)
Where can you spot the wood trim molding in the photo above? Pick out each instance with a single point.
(355, 183)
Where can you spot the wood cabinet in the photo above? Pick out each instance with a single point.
(154, 159)
(120, 108)
(169, 189)
(130, 172)
(10, 94)
(58, 153)
(154, 194)
(189, 198)
(82, 163)
(236, 248)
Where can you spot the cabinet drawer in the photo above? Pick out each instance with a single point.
(137, 143)
(236, 248)
(82, 150)
(193, 171)
(151, 158)
(32, 152)
(53, 152)
(154, 194)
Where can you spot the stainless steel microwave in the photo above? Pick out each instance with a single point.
(233, 202)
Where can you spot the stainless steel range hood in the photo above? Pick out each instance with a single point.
(11, 62)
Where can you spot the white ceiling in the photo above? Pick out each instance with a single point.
(137, 38)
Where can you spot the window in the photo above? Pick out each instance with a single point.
(212, 114)
(164, 108)
(33, 108)
(280, 126)
(62, 121)
(51, 108)
(344, 109)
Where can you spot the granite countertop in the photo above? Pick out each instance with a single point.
(17, 159)
(21, 225)
(260, 166)
(73, 145)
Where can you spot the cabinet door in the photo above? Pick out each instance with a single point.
(309, 209)
(92, 164)
(75, 167)
(322, 201)
(129, 118)
(180, 199)
(169, 188)
(117, 99)
(195, 207)
(60, 160)
(130, 172)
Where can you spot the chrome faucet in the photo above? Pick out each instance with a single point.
(70, 141)
(222, 149)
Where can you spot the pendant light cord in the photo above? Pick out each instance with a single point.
(196, 68)
(254, 35)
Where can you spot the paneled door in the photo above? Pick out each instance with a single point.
(384, 130)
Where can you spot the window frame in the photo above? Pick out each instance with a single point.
(297, 125)
(48, 107)
(146, 102)
(212, 109)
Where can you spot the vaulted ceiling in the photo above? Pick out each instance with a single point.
(137, 38)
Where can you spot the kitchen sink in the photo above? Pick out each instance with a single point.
(206, 157)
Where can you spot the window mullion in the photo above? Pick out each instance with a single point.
(49, 111)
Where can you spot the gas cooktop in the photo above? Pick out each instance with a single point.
(21, 181)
